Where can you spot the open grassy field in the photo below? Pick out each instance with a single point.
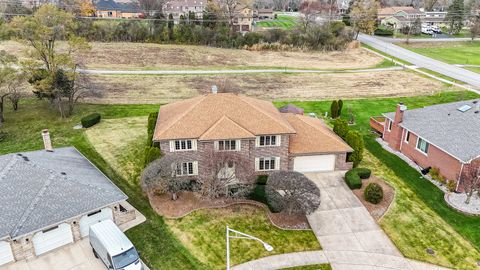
(161, 89)
(282, 21)
(128, 56)
(203, 233)
(450, 52)
(419, 217)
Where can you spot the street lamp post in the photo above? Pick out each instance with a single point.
(237, 234)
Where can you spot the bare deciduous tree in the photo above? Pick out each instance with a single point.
(292, 192)
(471, 183)
(475, 28)
(230, 174)
(7, 76)
(161, 176)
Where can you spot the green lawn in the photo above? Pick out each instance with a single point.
(282, 21)
(203, 233)
(450, 52)
(419, 217)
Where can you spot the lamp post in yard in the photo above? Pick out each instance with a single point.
(237, 234)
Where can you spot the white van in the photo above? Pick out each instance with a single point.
(113, 247)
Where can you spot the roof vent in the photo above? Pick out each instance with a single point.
(25, 158)
(464, 108)
(63, 173)
(214, 89)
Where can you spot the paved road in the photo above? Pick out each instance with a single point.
(350, 237)
(226, 71)
(418, 60)
(414, 40)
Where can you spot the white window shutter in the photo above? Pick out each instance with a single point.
(195, 168)
(278, 140)
(194, 145)
(277, 163)
(238, 145)
(172, 146)
(257, 141)
(257, 161)
(215, 145)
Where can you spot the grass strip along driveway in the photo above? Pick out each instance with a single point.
(449, 52)
(419, 217)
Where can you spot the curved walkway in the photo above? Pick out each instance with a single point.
(350, 237)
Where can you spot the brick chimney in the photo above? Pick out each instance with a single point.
(396, 133)
(399, 113)
(46, 140)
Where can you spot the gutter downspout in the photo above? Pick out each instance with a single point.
(459, 177)
(401, 142)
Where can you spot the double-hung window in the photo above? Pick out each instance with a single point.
(422, 145)
(186, 168)
(407, 136)
(183, 145)
(268, 140)
(267, 163)
(390, 122)
(227, 145)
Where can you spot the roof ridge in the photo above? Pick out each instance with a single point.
(244, 99)
(224, 117)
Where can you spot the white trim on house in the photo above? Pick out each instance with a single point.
(278, 139)
(390, 124)
(407, 135)
(269, 159)
(190, 145)
(189, 168)
(420, 150)
(238, 145)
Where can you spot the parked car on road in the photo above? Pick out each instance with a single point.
(113, 247)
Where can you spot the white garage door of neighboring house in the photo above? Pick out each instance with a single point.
(92, 218)
(52, 238)
(316, 163)
(6, 254)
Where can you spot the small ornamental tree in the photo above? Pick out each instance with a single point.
(340, 127)
(355, 140)
(340, 107)
(471, 183)
(292, 193)
(334, 109)
(160, 176)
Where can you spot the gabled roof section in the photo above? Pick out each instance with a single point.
(225, 128)
(313, 136)
(193, 117)
(39, 189)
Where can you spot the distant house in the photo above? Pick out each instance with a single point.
(444, 136)
(434, 17)
(264, 14)
(50, 198)
(254, 129)
(183, 7)
(399, 17)
(243, 21)
(117, 9)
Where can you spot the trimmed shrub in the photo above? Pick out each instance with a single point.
(373, 193)
(363, 173)
(151, 154)
(262, 179)
(355, 140)
(340, 127)
(340, 107)
(383, 32)
(90, 120)
(451, 185)
(334, 109)
(353, 180)
(152, 121)
(436, 175)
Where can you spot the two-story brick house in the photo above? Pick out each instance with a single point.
(270, 140)
(445, 136)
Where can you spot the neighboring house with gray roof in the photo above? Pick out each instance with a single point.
(444, 136)
(50, 199)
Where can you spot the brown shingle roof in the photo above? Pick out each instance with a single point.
(313, 136)
(195, 117)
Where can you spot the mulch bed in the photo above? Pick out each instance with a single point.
(376, 210)
(188, 202)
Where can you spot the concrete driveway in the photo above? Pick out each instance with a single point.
(76, 256)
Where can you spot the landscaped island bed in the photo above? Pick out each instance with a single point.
(417, 219)
(131, 56)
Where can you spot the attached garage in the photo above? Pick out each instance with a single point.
(6, 254)
(316, 163)
(52, 238)
(92, 218)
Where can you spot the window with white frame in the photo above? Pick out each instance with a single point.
(422, 145)
(186, 168)
(267, 163)
(183, 145)
(227, 145)
(407, 136)
(268, 140)
(390, 125)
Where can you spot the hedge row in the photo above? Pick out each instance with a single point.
(90, 120)
(383, 32)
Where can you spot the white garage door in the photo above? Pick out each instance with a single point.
(52, 238)
(6, 254)
(314, 163)
(92, 218)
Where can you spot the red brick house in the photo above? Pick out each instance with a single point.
(254, 128)
(445, 136)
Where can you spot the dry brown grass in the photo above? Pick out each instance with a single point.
(125, 56)
(163, 89)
